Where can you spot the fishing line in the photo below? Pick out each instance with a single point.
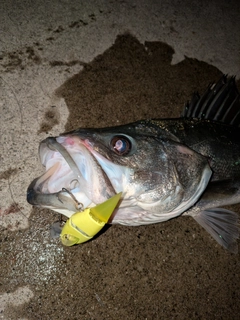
(15, 203)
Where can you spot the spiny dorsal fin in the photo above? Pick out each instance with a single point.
(220, 102)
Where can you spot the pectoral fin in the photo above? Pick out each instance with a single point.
(222, 224)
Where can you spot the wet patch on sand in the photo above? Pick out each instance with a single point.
(51, 118)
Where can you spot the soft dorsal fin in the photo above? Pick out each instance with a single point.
(220, 102)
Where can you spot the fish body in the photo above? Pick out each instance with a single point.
(164, 168)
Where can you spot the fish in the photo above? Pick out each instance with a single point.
(165, 168)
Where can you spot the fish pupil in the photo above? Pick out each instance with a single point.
(120, 145)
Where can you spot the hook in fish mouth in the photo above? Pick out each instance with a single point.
(79, 205)
(63, 200)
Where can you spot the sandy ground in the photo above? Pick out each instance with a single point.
(66, 65)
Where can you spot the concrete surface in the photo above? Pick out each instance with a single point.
(52, 79)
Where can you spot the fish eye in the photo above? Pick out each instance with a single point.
(121, 145)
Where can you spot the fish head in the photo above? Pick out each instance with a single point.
(158, 176)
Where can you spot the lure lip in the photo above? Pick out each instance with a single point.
(103, 211)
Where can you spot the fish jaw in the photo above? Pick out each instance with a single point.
(120, 176)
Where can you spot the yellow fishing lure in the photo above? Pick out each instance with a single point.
(83, 226)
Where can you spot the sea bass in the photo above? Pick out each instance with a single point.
(163, 167)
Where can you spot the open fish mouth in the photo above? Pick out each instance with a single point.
(73, 179)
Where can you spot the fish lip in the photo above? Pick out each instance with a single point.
(31, 193)
(62, 200)
(54, 145)
(58, 201)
